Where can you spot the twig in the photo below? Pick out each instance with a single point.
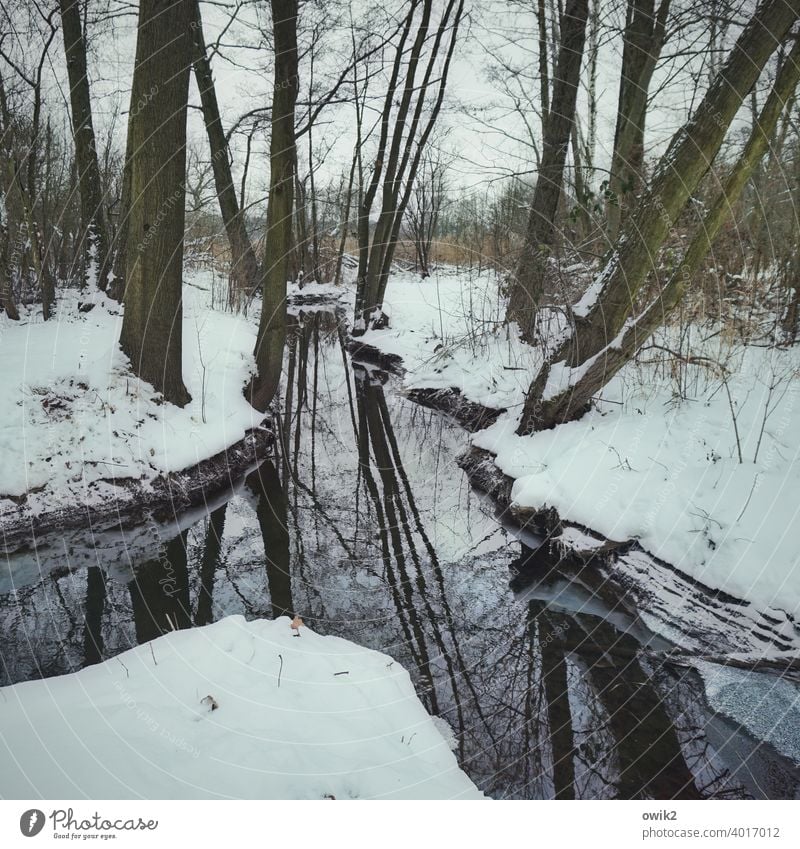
(752, 490)
(733, 416)
(280, 656)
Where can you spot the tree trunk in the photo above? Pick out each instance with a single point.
(119, 246)
(348, 202)
(244, 266)
(644, 37)
(541, 231)
(94, 243)
(152, 322)
(409, 165)
(403, 157)
(278, 247)
(7, 300)
(570, 400)
(544, 76)
(680, 171)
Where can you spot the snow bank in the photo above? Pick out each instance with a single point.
(306, 717)
(667, 473)
(72, 414)
(646, 464)
(448, 329)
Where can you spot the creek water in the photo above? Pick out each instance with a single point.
(362, 524)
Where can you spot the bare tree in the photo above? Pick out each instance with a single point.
(94, 242)
(645, 31)
(279, 243)
(156, 158)
(244, 266)
(428, 200)
(758, 41)
(403, 135)
(22, 165)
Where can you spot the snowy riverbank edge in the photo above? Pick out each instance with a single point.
(697, 618)
(236, 709)
(124, 502)
(697, 608)
(84, 443)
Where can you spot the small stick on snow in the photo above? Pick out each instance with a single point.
(153, 654)
(280, 657)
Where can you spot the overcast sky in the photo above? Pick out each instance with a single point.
(482, 130)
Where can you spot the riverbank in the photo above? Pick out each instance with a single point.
(84, 442)
(233, 710)
(683, 470)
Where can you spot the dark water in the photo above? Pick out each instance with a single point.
(363, 524)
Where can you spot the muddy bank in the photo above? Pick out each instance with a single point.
(123, 502)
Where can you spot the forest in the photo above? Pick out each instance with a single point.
(426, 375)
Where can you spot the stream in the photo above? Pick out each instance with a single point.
(363, 524)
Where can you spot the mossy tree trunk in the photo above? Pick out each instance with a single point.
(279, 243)
(541, 413)
(151, 326)
(685, 163)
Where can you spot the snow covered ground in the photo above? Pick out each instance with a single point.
(657, 461)
(72, 415)
(306, 717)
(448, 330)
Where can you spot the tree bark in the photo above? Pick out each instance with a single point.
(542, 413)
(94, 243)
(279, 243)
(7, 300)
(152, 322)
(644, 37)
(541, 231)
(244, 266)
(679, 172)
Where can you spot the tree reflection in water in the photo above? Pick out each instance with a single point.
(362, 524)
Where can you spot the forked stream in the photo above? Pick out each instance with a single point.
(363, 524)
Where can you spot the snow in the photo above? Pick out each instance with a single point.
(72, 414)
(655, 462)
(666, 473)
(307, 717)
(589, 297)
(767, 706)
(312, 289)
(448, 329)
